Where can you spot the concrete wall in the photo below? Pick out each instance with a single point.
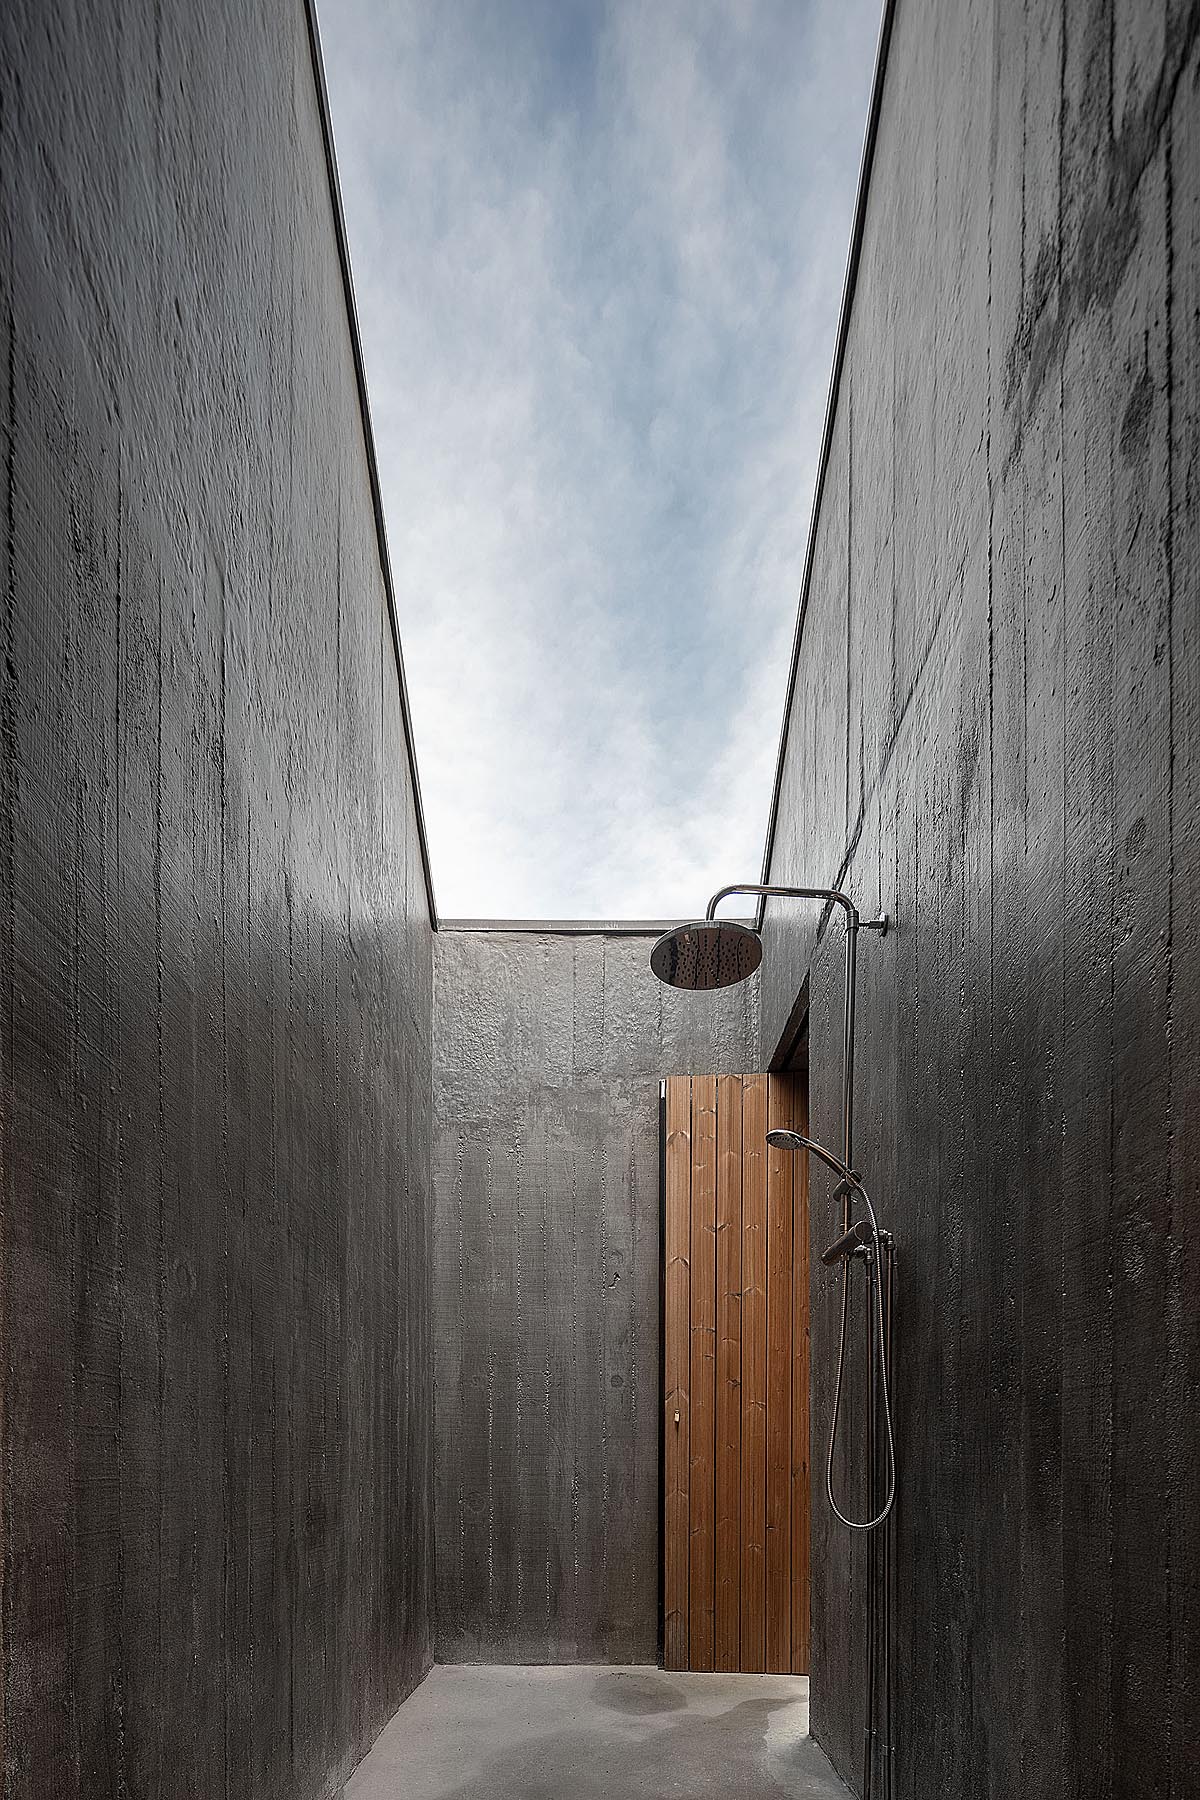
(549, 1050)
(995, 735)
(215, 1005)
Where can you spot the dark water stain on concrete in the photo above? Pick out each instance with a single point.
(1068, 277)
(642, 1694)
(1135, 426)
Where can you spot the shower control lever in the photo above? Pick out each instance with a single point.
(849, 1244)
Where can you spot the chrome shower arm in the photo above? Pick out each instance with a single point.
(854, 924)
(785, 893)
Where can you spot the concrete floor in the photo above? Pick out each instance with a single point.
(598, 1734)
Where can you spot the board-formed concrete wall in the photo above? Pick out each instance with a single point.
(216, 965)
(995, 736)
(549, 1051)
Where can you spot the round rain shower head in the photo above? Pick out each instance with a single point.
(710, 953)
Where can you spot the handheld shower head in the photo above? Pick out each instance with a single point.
(856, 1240)
(780, 1139)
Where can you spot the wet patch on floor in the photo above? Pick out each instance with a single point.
(638, 1691)
(598, 1734)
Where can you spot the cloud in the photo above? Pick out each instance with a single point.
(598, 252)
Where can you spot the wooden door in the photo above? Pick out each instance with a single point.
(736, 1494)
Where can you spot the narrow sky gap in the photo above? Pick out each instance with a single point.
(598, 248)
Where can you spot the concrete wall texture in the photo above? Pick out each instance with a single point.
(549, 1051)
(221, 1324)
(215, 1009)
(1002, 635)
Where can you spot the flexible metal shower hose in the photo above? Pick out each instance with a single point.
(885, 1383)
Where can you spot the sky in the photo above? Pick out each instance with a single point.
(598, 249)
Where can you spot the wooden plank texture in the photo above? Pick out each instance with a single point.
(701, 1556)
(677, 1370)
(728, 1517)
(754, 1371)
(801, 1497)
(736, 1467)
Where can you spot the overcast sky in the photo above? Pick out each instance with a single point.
(598, 248)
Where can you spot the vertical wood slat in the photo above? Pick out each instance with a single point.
(736, 1367)
(677, 1356)
(801, 1499)
(780, 1167)
(728, 1516)
(702, 1565)
(754, 1370)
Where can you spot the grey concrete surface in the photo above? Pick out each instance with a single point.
(215, 944)
(598, 1733)
(548, 1055)
(995, 737)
